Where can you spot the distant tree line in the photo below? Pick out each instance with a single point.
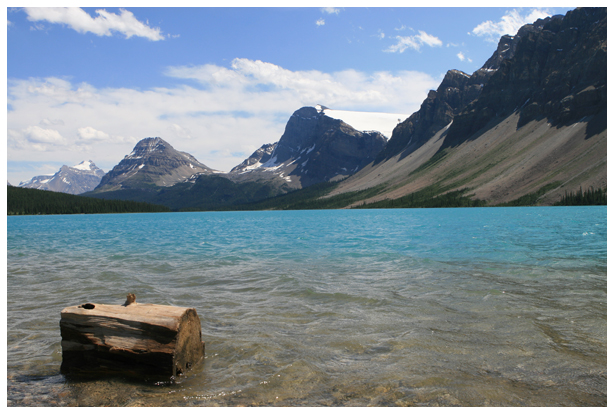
(590, 197)
(531, 198)
(28, 201)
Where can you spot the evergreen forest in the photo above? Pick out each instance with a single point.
(28, 201)
(590, 197)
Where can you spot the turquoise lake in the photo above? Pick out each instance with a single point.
(407, 307)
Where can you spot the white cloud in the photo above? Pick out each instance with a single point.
(103, 25)
(43, 136)
(414, 42)
(428, 39)
(347, 88)
(49, 122)
(179, 131)
(320, 22)
(234, 111)
(509, 24)
(38, 26)
(91, 134)
(34, 138)
(330, 10)
(461, 56)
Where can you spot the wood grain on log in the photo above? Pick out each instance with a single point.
(133, 339)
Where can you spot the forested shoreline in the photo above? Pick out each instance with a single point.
(29, 201)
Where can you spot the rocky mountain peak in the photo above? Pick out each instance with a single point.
(148, 147)
(505, 50)
(259, 157)
(298, 134)
(453, 78)
(313, 148)
(77, 179)
(456, 90)
(153, 161)
(538, 58)
(87, 166)
(558, 72)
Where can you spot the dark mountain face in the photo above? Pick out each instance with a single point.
(455, 92)
(558, 72)
(530, 124)
(299, 135)
(553, 68)
(153, 162)
(440, 107)
(71, 180)
(259, 157)
(314, 148)
(438, 110)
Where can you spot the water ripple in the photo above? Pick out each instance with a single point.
(425, 307)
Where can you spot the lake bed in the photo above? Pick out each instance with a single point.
(407, 307)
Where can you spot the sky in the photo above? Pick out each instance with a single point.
(218, 83)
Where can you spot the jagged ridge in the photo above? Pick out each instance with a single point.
(78, 179)
(539, 120)
(313, 148)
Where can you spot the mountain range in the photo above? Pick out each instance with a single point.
(531, 123)
(314, 148)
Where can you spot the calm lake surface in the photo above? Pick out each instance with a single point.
(408, 307)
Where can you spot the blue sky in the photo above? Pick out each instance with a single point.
(220, 82)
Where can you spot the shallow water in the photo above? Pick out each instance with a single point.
(417, 307)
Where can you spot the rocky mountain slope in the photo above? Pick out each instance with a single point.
(531, 122)
(261, 156)
(77, 179)
(152, 163)
(531, 118)
(313, 148)
(154, 172)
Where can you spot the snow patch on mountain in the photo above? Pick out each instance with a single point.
(77, 179)
(368, 121)
(85, 166)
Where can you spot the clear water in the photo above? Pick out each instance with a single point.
(417, 307)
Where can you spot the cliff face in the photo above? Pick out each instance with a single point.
(537, 118)
(456, 91)
(259, 157)
(313, 148)
(554, 68)
(153, 162)
(323, 148)
(437, 111)
(558, 72)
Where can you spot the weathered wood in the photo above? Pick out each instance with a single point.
(132, 339)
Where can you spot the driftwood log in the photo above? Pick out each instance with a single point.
(134, 339)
